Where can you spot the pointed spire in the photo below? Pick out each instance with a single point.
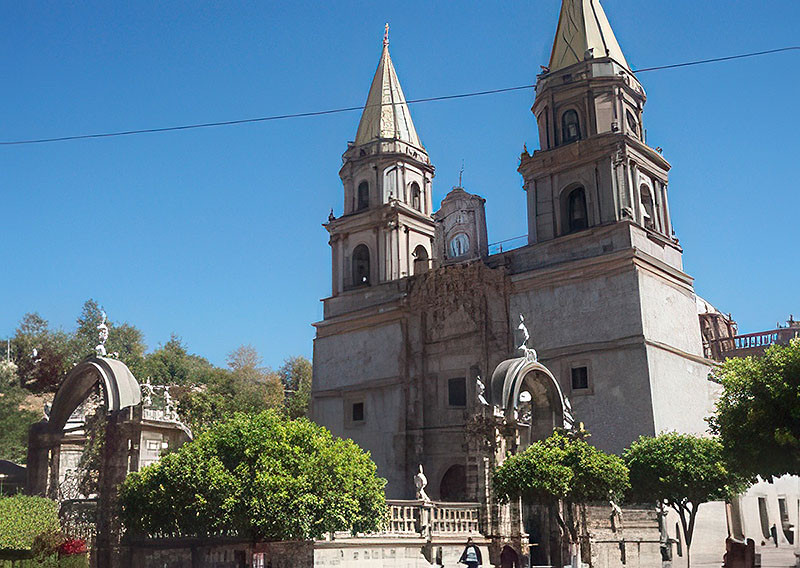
(583, 26)
(386, 114)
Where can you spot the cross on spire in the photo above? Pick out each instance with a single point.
(386, 36)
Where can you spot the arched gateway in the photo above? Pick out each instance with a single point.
(120, 391)
(120, 394)
(529, 395)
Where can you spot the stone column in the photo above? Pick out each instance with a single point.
(120, 433)
(40, 444)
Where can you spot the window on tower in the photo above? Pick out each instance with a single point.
(570, 127)
(633, 124)
(416, 197)
(363, 196)
(361, 266)
(577, 213)
(648, 210)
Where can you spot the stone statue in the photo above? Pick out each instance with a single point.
(147, 388)
(480, 388)
(102, 332)
(569, 419)
(528, 352)
(421, 482)
(169, 408)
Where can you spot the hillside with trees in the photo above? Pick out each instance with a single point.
(40, 356)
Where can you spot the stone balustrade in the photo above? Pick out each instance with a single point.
(425, 519)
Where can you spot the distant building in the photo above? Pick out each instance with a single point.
(721, 339)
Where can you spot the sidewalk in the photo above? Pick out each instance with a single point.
(772, 557)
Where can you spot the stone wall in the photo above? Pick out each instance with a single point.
(631, 541)
(216, 553)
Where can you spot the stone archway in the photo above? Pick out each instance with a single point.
(121, 392)
(529, 395)
(530, 402)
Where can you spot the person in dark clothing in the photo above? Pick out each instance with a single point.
(471, 555)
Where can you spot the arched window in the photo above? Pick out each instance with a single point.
(361, 266)
(648, 211)
(577, 214)
(454, 484)
(421, 264)
(363, 196)
(570, 127)
(416, 197)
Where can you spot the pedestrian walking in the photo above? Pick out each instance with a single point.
(471, 555)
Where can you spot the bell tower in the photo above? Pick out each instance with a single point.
(386, 231)
(594, 166)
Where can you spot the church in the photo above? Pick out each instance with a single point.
(420, 312)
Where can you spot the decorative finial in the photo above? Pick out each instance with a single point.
(386, 36)
(461, 174)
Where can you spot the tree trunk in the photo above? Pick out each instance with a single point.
(687, 524)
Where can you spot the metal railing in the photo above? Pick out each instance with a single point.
(750, 342)
(508, 244)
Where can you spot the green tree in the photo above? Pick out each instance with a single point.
(42, 355)
(682, 471)
(257, 476)
(561, 468)
(245, 387)
(758, 415)
(295, 374)
(14, 423)
(172, 364)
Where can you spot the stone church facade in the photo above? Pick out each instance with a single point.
(419, 310)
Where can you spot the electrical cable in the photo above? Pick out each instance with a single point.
(353, 108)
(717, 59)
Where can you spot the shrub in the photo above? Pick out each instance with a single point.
(23, 518)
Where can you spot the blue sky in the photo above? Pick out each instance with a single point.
(215, 234)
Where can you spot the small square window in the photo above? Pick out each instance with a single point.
(580, 378)
(358, 412)
(457, 392)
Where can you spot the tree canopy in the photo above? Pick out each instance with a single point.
(245, 387)
(257, 476)
(683, 471)
(14, 423)
(561, 467)
(40, 358)
(295, 374)
(758, 415)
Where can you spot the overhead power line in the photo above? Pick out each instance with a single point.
(718, 59)
(352, 108)
(253, 120)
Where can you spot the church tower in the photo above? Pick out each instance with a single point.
(594, 166)
(386, 232)
(613, 312)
